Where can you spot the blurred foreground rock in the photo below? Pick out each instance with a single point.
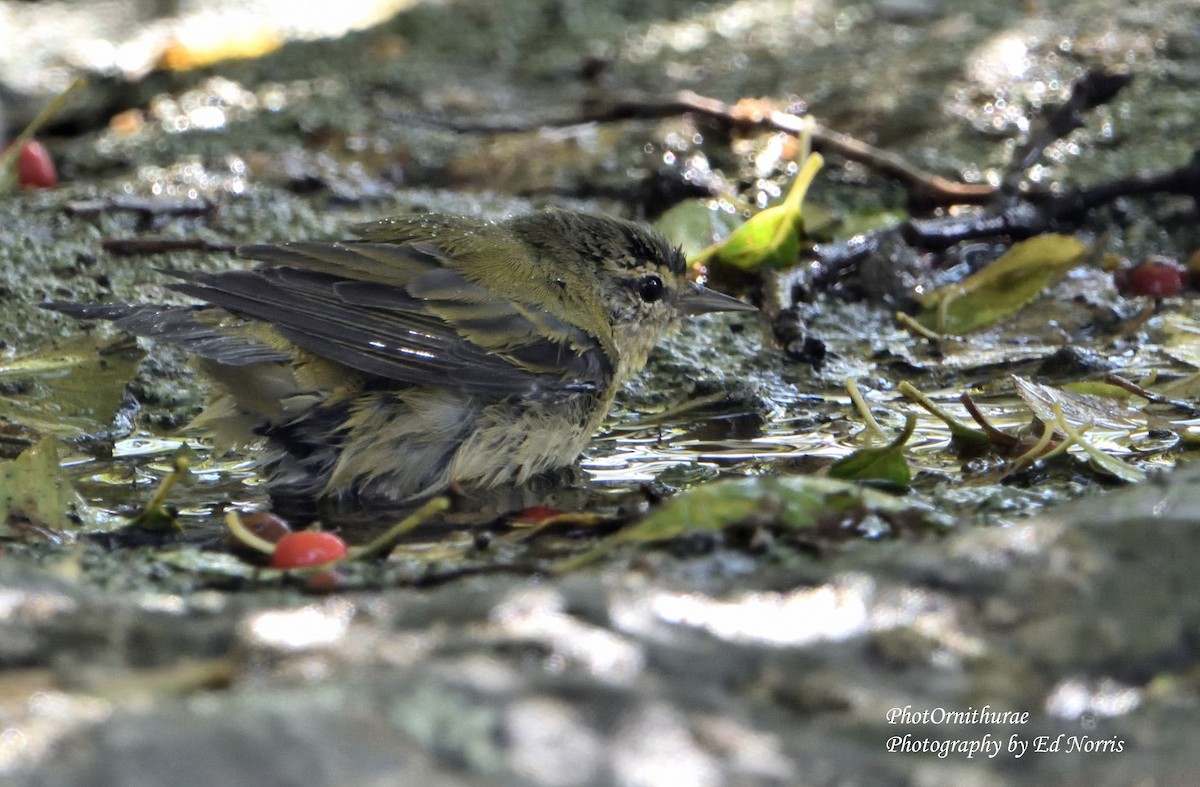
(684, 671)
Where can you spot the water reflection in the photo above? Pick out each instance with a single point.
(624, 470)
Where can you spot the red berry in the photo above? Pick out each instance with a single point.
(1157, 277)
(35, 167)
(307, 548)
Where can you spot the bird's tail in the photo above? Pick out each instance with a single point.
(198, 330)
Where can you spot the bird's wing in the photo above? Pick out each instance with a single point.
(398, 312)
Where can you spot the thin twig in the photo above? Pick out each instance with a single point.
(999, 438)
(148, 208)
(1037, 213)
(908, 322)
(131, 247)
(1138, 390)
(927, 188)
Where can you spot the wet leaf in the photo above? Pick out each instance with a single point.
(35, 493)
(1077, 408)
(1002, 288)
(793, 502)
(773, 236)
(70, 389)
(879, 463)
(1182, 338)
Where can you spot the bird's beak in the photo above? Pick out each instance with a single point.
(701, 300)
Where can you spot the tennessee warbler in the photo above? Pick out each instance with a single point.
(434, 350)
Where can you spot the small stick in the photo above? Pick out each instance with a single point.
(132, 247)
(927, 188)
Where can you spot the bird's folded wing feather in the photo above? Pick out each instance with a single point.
(394, 311)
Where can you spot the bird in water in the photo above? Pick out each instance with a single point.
(433, 350)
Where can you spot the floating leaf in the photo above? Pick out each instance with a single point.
(34, 492)
(70, 389)
(1002, 288)
(795, 501)
(879, 463)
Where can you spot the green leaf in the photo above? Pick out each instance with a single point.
(879, 463)
(772, 236)
(34, 491)
(1002, 288)
(793, 502)
(1102, 390)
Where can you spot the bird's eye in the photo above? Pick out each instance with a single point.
(651, 289)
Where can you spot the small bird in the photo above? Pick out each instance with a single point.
(433, 350)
